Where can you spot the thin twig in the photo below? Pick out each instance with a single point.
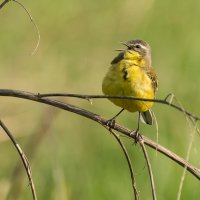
(87, 97)
(30, 17)
(141, 142)
(24, 159)
(35, 25)
(42, 129)
(136, 194)
(95, 117)
(4, 3)
(187, 158)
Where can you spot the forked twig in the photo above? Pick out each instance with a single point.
(136, 194)
(141, 142)
(95, 117)
(23, 158)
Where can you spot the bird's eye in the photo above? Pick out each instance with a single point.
(137, 46)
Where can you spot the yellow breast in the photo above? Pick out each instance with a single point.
(126, 78)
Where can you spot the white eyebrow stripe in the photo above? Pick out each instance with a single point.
(144, 47)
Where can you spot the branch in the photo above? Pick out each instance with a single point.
(34, 24)
(31, 19)
(24, 159)
(42, 129)
(141, 142)
(89, 97)
(95, 117)
(4, 3)
(136, 194)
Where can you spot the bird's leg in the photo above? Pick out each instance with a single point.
(111, 122)
(136, 132)
(138, 125)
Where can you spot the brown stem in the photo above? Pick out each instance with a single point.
(136, 194)
(35, 97)
(141, 142)
(24, 159)
(4, 3)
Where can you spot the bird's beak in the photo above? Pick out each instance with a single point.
(119, 49)
(124, 43)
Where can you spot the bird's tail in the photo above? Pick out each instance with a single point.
(147, 117)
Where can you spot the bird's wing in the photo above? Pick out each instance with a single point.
(118, 58)
(152, 75)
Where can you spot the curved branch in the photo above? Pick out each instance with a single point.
(89, 97)
(4, 3)
(95, 117)
(149, 167)
(30, 17)
(34, 24)
(136, 194)
(23, 158)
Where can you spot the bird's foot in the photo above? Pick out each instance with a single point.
(136, 135)
(110, 123)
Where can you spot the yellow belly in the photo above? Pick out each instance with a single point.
(124, 79)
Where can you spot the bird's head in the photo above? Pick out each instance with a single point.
(138, 50)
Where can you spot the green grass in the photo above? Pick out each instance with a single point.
(78, 159)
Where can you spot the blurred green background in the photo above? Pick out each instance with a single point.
(72, 157)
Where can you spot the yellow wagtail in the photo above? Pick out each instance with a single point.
(131, 74)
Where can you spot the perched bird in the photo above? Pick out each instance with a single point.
(131, 74)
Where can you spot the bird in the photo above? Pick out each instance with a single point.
(131, 74)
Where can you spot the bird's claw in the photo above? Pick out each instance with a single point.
(110, 123)
(136, 135)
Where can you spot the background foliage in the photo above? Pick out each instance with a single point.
(76, 158)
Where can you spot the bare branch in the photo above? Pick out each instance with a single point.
(30, 17)
(42, 129)
(34, 24)
(24, 159)
(88, 97)
(136, 194)
(4, 3)
(95, 117)
(187, 158)
(141, 142)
